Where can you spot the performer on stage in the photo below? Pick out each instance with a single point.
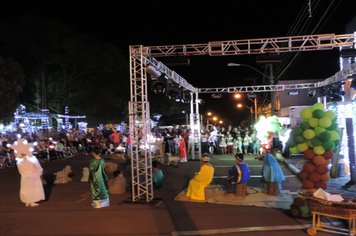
(201, 180)
(98, 180)
(31, 188)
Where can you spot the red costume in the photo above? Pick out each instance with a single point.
(182, 150)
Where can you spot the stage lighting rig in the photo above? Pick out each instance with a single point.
(174, 93)
(159, 86)
(186, 96)
(153, 71)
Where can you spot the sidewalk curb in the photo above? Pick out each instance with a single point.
(293, 168)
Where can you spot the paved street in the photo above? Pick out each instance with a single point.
(68, 211)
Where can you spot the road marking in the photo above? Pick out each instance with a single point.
(243, 229)
(250, 229)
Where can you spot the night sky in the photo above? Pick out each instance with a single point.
(125, 23)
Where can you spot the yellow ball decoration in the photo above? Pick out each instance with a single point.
(325, 122)
(302, 147)
(334, 135)
(308, 134)
(329, 114)
(294, 150)
(319, 150)
(317, 106)
(314, 122)
(306, 113)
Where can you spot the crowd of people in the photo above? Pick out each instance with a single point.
(219, 140)
(54, 145)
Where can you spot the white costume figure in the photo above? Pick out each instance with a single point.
(31, 188)
(85, 177)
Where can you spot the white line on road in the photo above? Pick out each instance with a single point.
(249, 229)
(243, 229)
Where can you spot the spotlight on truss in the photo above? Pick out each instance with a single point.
(159, 86)
(186, 97)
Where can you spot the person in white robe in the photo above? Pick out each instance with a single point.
(31, 188)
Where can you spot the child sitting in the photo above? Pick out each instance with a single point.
(118, 184)
(157, 176)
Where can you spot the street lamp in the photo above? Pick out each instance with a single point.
(270, 77)
(249, 96)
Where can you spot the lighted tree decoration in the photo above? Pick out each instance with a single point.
(318, 138)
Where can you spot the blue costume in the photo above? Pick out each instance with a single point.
(271, 172)
(239, 174)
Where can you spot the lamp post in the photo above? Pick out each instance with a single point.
(270, 77)
(249, 96)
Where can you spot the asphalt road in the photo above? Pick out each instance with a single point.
(67, 209)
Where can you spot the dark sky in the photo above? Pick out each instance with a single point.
(125, 23)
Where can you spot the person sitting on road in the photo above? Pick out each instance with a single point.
(157, 176)
(118, 184)
(271, 173)
(196, 188)
(238, 174)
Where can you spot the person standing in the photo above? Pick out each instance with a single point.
(204, 142)
(170, 136)
(115, 138)
(98, 180)
(246, 142)
(31, 188)
(230, 143)
(182, 149)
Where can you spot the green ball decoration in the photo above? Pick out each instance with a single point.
(306, 113)
(304, 125)
(318, 130)
(291, 143)
(319, 150)
(308, 134)
(325, 122)
(310, 144)
(316, 141)
(297, 131)
(318, 113)
(299, 139)
(325, 136)
(303, 146)
(333, 126)
(313, 122)
(294, 150)
(337, 142)
(329, 145)
(329, 114)
(317, 106)
(336, 149)
(334, 135)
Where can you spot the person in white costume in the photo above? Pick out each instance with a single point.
(31, 188)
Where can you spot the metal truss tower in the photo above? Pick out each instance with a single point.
(139, 112)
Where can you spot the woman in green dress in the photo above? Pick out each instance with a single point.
(98, 180)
